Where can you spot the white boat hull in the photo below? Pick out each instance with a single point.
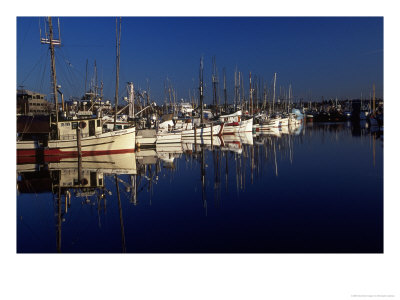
(203, 131)
(284, 121)
(270, 124)
(124, 163)
(238, 127)
(121, 141)
(146, 137)
(172, 137)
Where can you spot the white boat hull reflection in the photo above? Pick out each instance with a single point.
(124, 163)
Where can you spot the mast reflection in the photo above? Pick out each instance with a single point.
(91, 181)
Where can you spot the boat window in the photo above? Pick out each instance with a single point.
(98, 123)
(74, 125)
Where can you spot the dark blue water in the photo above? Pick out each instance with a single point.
(318, 190)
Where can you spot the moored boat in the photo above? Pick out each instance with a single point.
(234, 123)
(70, 135)
(84, 136)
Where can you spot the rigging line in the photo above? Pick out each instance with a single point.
(70, 66)
(61, 72)
(44, 71)
(30, 72)
(40, 71)
(64, 77)
(71, 83)
(44, 67)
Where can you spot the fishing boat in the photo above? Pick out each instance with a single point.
(185, 108)
(234, 123)
(146, 137)
(78, 136)
(310, 115)
(209, 129)
(168, 137)
(284, 130)
(273, 121)
(284, 121)
(69, 135)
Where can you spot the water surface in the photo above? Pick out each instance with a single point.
(313, 189)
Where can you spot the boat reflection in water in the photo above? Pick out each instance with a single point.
(148, 201)
(82, 181)
(77, 178)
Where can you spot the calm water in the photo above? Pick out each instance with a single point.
(315, 189)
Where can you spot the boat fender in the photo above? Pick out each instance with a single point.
(82, 124)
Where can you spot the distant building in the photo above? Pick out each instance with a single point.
(31, 103)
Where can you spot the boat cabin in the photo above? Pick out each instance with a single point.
(89, 127)
(235, 117)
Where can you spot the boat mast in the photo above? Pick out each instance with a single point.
(201, 90)
(84, 92)
(215, 85)
(225, 95)
(265, 98)
(361, 102)
(95, 82)
(273, 99)
(131, 100)
(251, 98)
(258, 100)
(242, 101)
(236, 92)
(373, 100)
(52, 42)
(118, 45)
(53, 67)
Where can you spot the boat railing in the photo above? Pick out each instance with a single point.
(72, 136)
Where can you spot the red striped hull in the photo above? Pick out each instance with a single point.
(28, 152)
(53, 155)
(58, 152)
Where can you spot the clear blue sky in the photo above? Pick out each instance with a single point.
(320, 56)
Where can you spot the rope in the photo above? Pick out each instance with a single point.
(30, 72)
(44, 71)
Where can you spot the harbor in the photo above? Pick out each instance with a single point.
(241, 163)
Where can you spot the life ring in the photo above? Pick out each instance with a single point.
(82, 124)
